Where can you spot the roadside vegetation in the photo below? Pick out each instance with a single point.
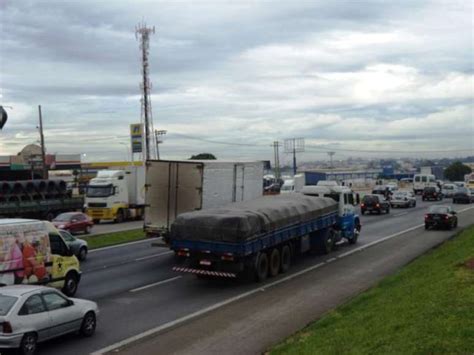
(427, 307)
(104, 240)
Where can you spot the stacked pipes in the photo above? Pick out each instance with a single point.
(32, 190)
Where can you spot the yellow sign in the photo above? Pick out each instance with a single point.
(136, 129)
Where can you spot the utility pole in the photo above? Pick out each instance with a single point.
(294, 145)
(276, 152)
(159, 133)
(43, 150)
(142, 33)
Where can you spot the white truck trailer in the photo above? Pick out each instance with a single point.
(174, 187)
(117, 195)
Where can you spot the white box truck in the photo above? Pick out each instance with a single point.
(176, 186)
(116, 195)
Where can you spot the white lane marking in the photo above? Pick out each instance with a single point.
(155, 284)
(154, 255)
(400, 214)
(215, 306)
(149, 240)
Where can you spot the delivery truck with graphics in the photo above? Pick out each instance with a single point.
(262, 237)
(177, 186)
(117, 195)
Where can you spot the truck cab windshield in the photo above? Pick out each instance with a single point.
(100, 191)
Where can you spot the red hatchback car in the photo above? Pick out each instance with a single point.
(73, 222)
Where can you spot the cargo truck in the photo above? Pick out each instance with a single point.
(261, 237)
(116, 195)
(177, 186)
(39, 199)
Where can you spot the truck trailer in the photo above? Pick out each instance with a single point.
(177, 186)
(38, 199)
(116, 195)
(261, 237)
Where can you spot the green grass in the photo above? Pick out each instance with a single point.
(426, 308)
(105, 240)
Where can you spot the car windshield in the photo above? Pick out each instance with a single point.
(369, 199)
(100, 191)
(63, 217)
(6, 303)
(430, 189)
(438, 209)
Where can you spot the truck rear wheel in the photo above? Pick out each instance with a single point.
(261, 267)
(274, 267)
(285, 258)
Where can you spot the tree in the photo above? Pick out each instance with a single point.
(456, 171)
(203, 156)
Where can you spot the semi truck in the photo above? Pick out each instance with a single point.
(261, 237)
(177, 186)
(117, 195)
(38, 199)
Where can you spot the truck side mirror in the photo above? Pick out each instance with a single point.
(358, 199)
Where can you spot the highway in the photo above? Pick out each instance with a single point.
(137, 290)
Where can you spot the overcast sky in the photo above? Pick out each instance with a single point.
(356, 77)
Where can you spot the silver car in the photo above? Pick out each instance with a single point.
(403, 199)
(78, 246)
(32, 314)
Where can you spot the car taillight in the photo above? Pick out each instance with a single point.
(446, 217)
(362, 205)
(183, 252)
(426, 216)
(377, 205)
(7, 328)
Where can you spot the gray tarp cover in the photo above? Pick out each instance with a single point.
(243, 221)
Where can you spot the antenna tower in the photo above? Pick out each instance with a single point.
(142, 33)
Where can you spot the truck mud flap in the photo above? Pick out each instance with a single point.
(204, 272)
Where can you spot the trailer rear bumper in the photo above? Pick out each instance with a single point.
(204, 272)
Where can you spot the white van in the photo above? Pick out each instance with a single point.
(420, 181)
(288, 187)
(33, 252)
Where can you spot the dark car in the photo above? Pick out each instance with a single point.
(442, 217)
(432, 193)
(78, 246)
(374, 203)
(74, 222)
(463, 195)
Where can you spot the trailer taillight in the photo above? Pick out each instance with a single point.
(227, 257)
(183, 252)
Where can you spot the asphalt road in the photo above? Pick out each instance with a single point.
(137, 290)
(111, 227)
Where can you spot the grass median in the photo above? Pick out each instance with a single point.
(105, 240)
(427, 307)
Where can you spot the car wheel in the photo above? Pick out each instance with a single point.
(423, 199)
(274, 267)
(427, 226)
(88, 324)
(88, 230)
(362, 212)
(70, 284)
(28, 344)
(83, 253)
(261, 267)
(285, 258)
(96, 221)
(120, 217)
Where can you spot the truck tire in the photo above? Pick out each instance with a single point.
(356, 232)
(120, 217)
(261, 267)
(285, 258)
(325, 242)
(274, 265)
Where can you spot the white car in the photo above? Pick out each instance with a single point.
(448, 190)
(403, 199)
(32, 314)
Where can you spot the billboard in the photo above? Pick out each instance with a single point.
(136, 135)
